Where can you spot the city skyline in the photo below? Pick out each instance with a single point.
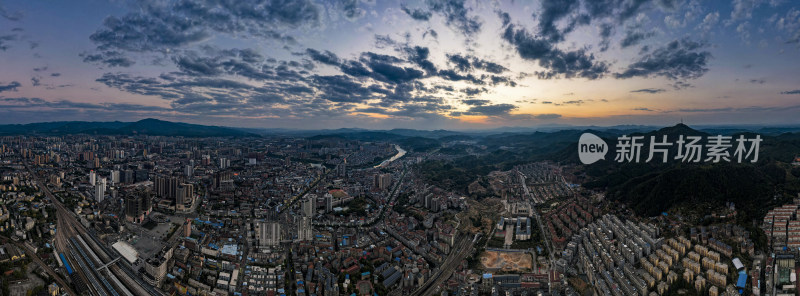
(424, 65)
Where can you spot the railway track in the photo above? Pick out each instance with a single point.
(71, 236)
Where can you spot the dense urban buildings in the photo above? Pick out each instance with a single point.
(399, 147)
(330, 215)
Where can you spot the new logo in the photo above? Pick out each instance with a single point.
(591, 148)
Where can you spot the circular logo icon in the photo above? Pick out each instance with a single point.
(591, 148)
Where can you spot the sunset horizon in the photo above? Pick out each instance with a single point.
(415, 64)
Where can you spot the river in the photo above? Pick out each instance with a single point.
(400, 153)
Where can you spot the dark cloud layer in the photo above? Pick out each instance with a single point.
(38, 103)
(466, 63)
(417, 14)
(634, 37)
(394, 76)
(419, 56)
(325, 57)
(158, 26)
(9, 87)
(476, 102)
(557, 18)
(557, 63)
(200, 87)
(488, 110)
(553, 11)
(351, 9)
(109, 58)
(384, 70)
(649, 90)
(456, 15)
(679, 60)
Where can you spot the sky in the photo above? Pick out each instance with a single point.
(431, 64)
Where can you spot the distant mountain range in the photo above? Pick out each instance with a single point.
(156, 127)
(151, 127)
(440, 133)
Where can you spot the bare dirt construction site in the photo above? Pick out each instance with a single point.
(507, 261)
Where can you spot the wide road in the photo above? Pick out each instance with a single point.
(545, 235)
(294, 199)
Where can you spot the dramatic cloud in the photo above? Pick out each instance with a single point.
(616, 10)
(476, 102)
(634, 37)
(568, 64)
(468, 63)
(461, 63)
(384, 70)
(574, 13)
(351, 9)
(342, 89)
(109, 58)
(38, 103)
(680, 59)
(213, 96)
(419, 56)
(354, 68)
(454, 76)
(417, 14)
(474, 91)
(552, 11)
(196, 65)
(177, 24)
(21, 101)
(489, 110)
(325, 57)
(649, 90)
(10, 87)
(605, 34)
(201, 87)
(235, 62)
(456, 15)
(336, 61)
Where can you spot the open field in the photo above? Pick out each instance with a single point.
(506, 261)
